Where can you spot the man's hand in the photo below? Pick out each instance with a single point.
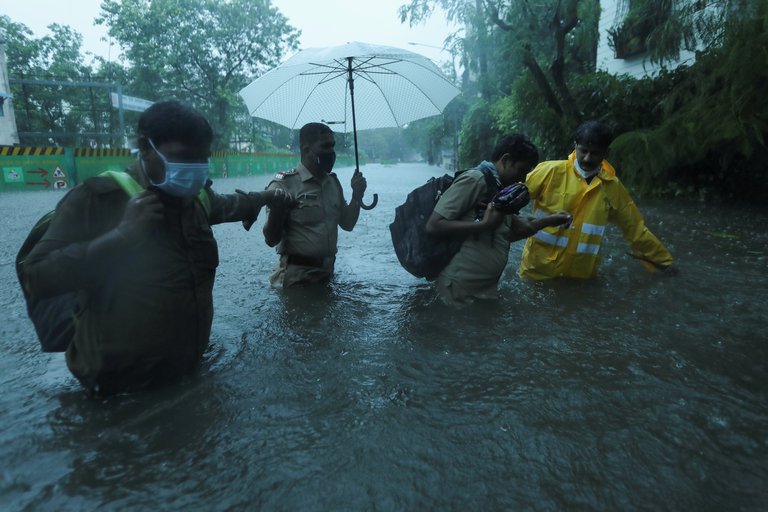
(492, 218)
(142, 210)
(359, 184)
(521, 228)
(561, 218)
(278, 199)
(670, 269)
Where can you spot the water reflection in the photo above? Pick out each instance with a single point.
(630, 391)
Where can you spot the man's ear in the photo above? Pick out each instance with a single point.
(144, 148)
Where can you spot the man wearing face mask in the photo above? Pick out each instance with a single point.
(585, 185)
(142, 266)
(306, 232)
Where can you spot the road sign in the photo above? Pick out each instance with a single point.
(13, 174)
(130, 103)
(42, 173)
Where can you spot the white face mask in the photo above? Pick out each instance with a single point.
(182, 179)
(583, 173)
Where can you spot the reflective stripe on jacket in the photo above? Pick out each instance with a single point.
(575, 251)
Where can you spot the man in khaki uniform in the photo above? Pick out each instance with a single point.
(464, 211)
(306, 232)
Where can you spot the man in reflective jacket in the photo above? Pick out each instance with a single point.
(586, 186)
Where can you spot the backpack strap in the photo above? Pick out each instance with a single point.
(133, 187)
(125, 180)
(205, 199)
(491, 184)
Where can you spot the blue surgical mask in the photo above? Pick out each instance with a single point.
(182, 179)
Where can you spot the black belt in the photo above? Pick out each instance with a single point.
(304, 261)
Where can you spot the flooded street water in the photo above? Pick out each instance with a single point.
(635, 391)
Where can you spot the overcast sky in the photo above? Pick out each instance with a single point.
(322, 23)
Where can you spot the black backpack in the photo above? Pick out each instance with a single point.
(53, 317)
(419, 253)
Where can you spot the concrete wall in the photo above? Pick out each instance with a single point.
(8, 132)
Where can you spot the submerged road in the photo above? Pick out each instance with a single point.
(636, 391)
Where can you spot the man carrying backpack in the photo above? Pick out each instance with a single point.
(142, 266)
(465, 211)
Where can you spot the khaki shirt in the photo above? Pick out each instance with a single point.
(476, 269)
(311, 229)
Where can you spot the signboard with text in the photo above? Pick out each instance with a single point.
(130, 103)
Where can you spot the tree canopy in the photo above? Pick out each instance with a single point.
(201, 51)
(48, 111)
(526, 66)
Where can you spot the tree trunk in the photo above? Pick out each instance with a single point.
(541, 80)
(560, 31)
(564, 104)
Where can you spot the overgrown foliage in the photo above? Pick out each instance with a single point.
(661, 28)
(527, 66)
(698, 131)
(712, 138)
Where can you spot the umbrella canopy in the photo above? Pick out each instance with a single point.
(392, 87)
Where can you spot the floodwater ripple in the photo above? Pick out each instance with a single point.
(634, 391)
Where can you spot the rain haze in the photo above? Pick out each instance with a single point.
(638, 389)
(321, 23)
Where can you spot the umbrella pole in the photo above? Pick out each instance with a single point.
(351, 82)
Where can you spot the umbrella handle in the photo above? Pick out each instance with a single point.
(372, 205)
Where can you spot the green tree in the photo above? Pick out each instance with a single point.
(201, 51)
(470, 42)
(560, 32)
(50, 114)
(545, 43)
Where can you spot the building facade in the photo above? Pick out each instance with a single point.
(630, 59)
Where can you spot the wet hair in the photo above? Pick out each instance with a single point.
(311, 132)
(175, 121)
(594, 133)
(519, 147)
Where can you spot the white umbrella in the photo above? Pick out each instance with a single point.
(391, 87)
